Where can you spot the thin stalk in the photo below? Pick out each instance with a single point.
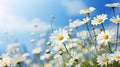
(117, 37)
(52, 24)
(103, 27)
(67, 50)
(94, 34)
(88, 15)
(40, 60)
(114, 11)
(109, 48)
(94, 41)
(72, 43)
(88, 31)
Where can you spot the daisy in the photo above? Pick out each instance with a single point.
(115, 19)
(86, 20)
(105, 37)
(75, 23)
(104, 59)
(87, 11)
(36, 51)
(5, 61)
(99, 19)
(113, 5)
(59, 36)
(83, 34)
(19, 58)
(116, 56)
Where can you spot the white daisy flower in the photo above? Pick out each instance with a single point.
(83, 34)
(87, 11)
(75, 23)
(116, 56)
(5, 61)
(36, 50)
(97, 31)
(19, 58)
(86, 20)
(58, 47)
(59, 36)
(113, 5)
(45, 56)
(104, 59)
(115, 19)
(105, 37)
(99, 19)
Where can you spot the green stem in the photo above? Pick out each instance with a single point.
(67, 50)
(52, 24)
(103, 27)
(88, 31)
(114, 11)
(117, 37)
(109, 48)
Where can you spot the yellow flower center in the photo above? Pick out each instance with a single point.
(85, 21)
(105, 60)
(117, 20)
(60, 37)
(36, 51)
(87, 11)
(117, 57)
(100, 20)
(106, 36)
(5, 62)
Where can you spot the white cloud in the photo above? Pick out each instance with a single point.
(11, 22)
(73, 6)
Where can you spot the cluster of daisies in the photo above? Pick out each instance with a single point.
(96, 45)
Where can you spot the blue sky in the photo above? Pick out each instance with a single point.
(19, 16)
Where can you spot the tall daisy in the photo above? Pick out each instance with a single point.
(75, 23)
(104, 59)
(59, 36)
(115, 19)
(87, 11)
(116, 56)
(113, 5)
(105, 37)
(86, 20)
(99, 19)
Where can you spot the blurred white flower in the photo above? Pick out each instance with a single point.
(32, 40)
(36, 50)
(13, 48)
(104, 59)
(59, 36)
(115, 19)
(86, 20)
(58, 47)
(76, 23)
(83, 34)
(42, 35)
(99, 19)
(45, 56)
(47, 51)
(105, 37)
(41, 41)
(97, 31)
(116, 56)
(87, 11)
(19, 58)
(113, 5)
(32, 34)
(5, 62)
